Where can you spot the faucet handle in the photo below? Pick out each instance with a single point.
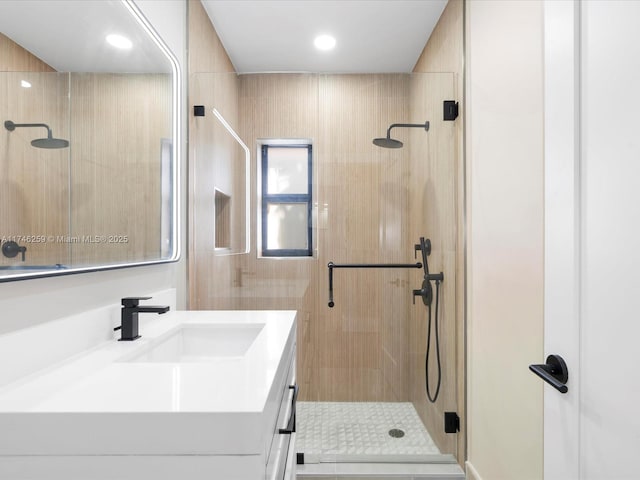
(133, 301)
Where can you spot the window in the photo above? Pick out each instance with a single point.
(286, 200)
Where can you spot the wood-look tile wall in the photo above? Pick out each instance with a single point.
(14, 58)
(358, 349)
(280, 106)
(117, 124)
(212, 162)
(355, 351)
(439, 194)
(362, 340)
(34, 191)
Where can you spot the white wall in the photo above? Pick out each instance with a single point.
(504, 154)
(592, 262)
(29, 302)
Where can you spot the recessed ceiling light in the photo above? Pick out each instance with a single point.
(324, 42)
(25, 84)
(119, 41)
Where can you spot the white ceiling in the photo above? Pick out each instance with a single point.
(373, 36)
(69, 35)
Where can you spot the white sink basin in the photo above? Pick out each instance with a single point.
(203, 343)
(213, 379)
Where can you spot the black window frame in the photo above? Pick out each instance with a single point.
(286, 198)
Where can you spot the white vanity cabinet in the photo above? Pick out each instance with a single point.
(163, 407)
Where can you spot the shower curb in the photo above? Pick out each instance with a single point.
(381, 471)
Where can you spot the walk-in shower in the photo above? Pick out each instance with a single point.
(49, 142)
(361, 355)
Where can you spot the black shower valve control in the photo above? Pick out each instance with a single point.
(10, 249)
(426, 292)
(418, 248)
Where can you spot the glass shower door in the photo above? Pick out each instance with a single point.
(365, 398)
(360, 364)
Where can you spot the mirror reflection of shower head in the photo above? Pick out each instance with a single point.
(392, 142)
(48, 142)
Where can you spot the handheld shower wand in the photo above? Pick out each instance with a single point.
(426, 292)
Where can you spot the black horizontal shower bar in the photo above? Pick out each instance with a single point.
(332, 265)
(374, 265)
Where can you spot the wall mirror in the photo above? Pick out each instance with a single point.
(88, 139)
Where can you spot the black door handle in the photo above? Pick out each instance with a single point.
(291, 425)
(554, 372)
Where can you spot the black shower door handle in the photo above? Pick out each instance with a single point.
(554, 372)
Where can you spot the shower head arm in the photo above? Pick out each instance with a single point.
(9, 125)
(424, 125)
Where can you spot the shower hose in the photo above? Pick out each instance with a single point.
(434, 397)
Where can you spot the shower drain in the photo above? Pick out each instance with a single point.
(396, 433)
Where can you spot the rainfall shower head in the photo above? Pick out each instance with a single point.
(48, 142)
(389, 142)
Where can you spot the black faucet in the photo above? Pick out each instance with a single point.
(129, 316)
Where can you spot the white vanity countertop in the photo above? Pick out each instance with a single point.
(142, 407)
